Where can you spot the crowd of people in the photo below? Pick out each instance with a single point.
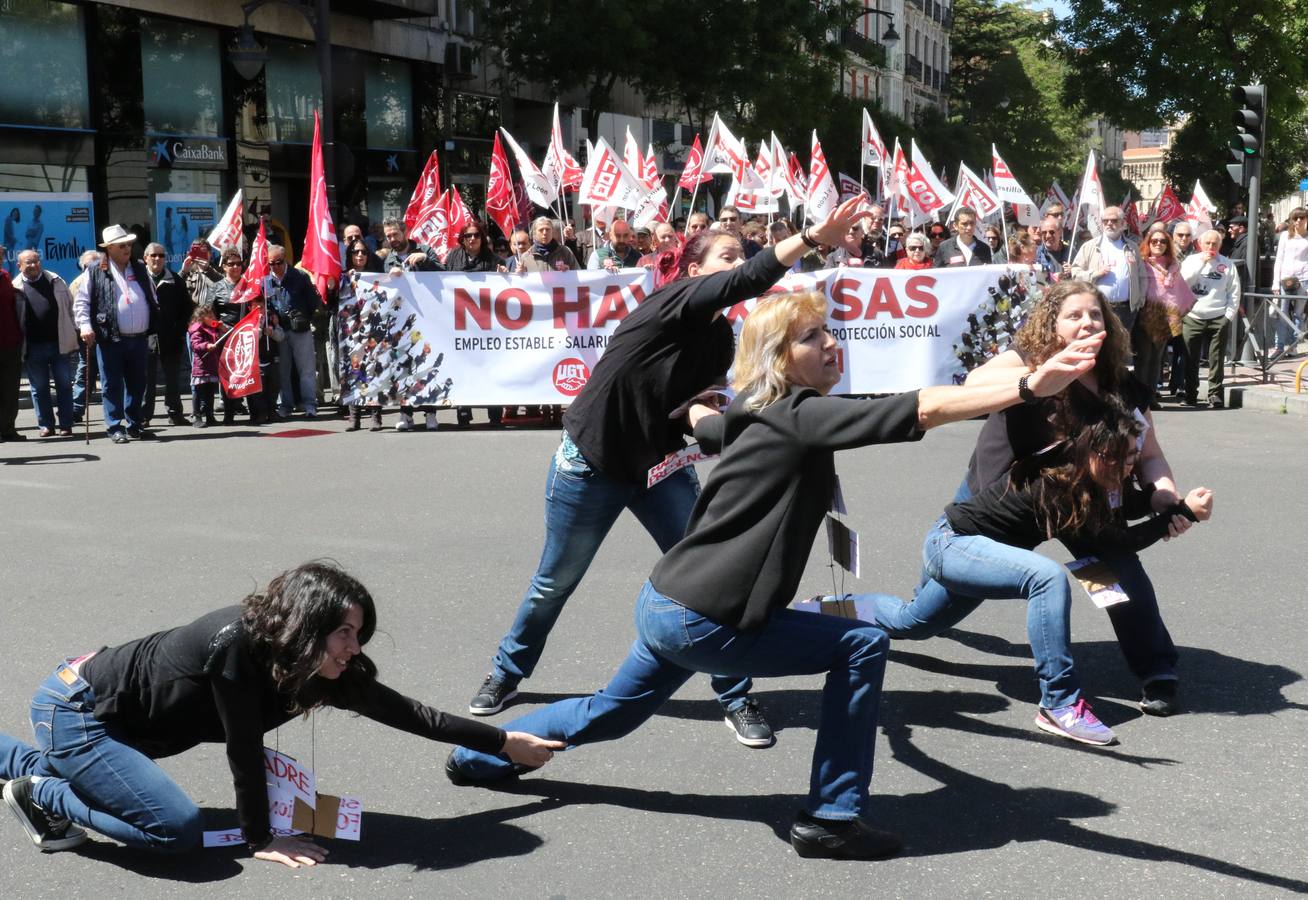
(1070, 451)
(128, 321)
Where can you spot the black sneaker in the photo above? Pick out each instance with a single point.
(492, 695)
(749, 726)
(815, 838)
(1160, 698)
(48, 832)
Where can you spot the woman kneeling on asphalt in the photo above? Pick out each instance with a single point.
(230, 676)
(716, 602)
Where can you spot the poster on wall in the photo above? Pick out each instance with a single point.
(180, 219)
(59, 226)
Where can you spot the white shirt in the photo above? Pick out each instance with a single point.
(1116, 285)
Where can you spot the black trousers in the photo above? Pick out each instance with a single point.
(170, 357)
(11, 375)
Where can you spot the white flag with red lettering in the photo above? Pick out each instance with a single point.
(823, 198)
(874, 149)
(975, 193)
(1199, 210)
(924, 188)
(1006, 185)
(849, 187)
(560, 168)
(538, 187)
(229, 232)
(608, 182)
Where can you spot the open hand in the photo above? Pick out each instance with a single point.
(837, 224)
(294, 851)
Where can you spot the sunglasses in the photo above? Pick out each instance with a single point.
(472, 234)
(236, 263)
(917, 248)
(154, 256)
(1162, 241)
(277, 262)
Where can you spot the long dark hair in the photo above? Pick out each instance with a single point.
(288, 622)
(1068, 498)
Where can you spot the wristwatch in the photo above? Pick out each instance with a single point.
(1024, 390)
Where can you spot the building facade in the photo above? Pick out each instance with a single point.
(914, 75)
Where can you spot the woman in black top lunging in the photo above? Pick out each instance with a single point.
(230, 676)
(673, 346)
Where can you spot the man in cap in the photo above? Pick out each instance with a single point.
(115, 310)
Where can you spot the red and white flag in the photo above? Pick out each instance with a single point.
(723, 153)
(608, 182)
(560, 168)
(796, 182)
(238, 358)
(823, 198)
(1055, 192)
(1131, 214)
(425, 194)
(874, 149)
(1091, 192)
(924, 188)
(441, 230)
(1200, 209)
(501, 205)
(322, 253)
(694, 174)
(760, 200)
(229, 232)
(537, 186)
(849, 187)
(250, 287)
(1006, 186)
(1167, 208)
(975, 193)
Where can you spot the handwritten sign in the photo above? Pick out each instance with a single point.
(1099, 581)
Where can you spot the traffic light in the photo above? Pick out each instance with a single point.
(1250, 130)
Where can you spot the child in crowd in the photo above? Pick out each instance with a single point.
(203, 335)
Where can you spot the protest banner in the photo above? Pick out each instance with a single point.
(180, 219)
(485, 339)
(59, 226)
(296, 807)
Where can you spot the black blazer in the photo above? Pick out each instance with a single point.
(949, 250)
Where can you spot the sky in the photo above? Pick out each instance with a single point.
(1058, 7)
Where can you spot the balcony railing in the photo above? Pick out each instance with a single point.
(869, 51)
(913, 68)
(917, 3)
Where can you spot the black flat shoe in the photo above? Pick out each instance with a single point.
(815, 838)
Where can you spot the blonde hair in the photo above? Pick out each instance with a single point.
(763, 354)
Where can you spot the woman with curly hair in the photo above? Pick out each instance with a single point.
(1070, 313)
(101, 719)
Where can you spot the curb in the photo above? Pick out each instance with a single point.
(1265, 399)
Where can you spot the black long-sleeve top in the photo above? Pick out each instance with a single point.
(1005, 512)
(665, 352)
(203, 683)
(753, 526)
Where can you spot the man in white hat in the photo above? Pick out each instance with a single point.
(115, 310)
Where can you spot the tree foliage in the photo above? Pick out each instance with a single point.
(1142, 63)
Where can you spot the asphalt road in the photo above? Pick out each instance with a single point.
(104, 543)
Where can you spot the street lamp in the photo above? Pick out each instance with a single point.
(891, 37)
(248, 56)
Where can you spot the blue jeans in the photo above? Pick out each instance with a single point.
(91, 774)
(674, 642)
(123, 367)
(959, 572)
(581, 506)
(46, 363)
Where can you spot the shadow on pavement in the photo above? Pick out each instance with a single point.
(1211, 682)
(388, 840)
(52, 459)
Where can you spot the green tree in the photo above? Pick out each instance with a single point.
(1141, 63)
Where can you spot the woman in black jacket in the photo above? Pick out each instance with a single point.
(230, 676)
(671, 347)
(717, 600)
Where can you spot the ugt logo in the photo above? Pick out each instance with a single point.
(570, 376)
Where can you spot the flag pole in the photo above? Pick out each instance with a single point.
(693, 191)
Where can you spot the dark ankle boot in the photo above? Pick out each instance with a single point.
(355, 416)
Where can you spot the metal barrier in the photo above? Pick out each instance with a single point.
(1260, 318)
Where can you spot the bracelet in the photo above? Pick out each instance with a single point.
(1024, 390)
(809, 242)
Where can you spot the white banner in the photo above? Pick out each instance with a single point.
(486, 339)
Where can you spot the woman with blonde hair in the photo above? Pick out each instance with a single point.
(717, 600)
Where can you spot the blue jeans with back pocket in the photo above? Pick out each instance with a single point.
(91, 775)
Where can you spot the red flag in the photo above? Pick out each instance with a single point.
(250, 287)
(796, 178)
(1132, 216)
(500, 205)
(694, 173)
(525, 207)
(425, 194)
(238, 359)
(1167, 207)
(322, 255)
